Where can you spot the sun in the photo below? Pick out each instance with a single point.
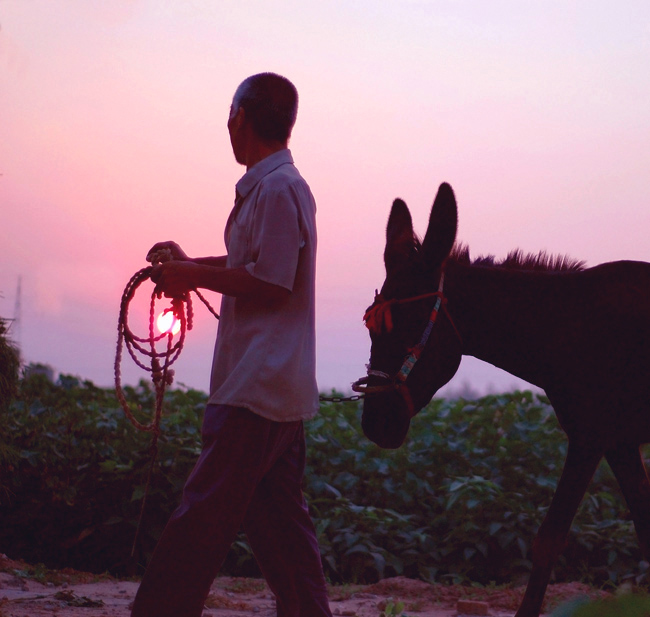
(168, 322)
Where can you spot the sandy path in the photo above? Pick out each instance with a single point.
(74, 594)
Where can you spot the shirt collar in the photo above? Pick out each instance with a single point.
(261, 169)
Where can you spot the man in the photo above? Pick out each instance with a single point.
(263, 382)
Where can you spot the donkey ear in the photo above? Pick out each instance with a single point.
(400, 239)
(443, 224)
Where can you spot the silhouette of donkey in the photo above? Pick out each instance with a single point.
(583, 335)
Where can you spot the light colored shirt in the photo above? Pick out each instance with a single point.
(265, 354)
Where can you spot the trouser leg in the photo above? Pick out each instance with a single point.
(283, 538)
(238, 449)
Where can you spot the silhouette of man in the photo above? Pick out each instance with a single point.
(263, 382)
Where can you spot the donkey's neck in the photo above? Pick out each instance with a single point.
(503, 317)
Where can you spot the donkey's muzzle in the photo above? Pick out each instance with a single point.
(385, 421)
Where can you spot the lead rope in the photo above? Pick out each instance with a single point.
(161, 374)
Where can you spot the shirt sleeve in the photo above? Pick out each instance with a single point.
(276, 238)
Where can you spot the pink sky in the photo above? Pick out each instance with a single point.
(113, 136)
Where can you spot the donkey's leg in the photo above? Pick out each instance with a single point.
(628, 467)
(550, 540)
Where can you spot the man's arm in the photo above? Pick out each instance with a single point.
(176, 278)
(164, 251)
(219, 262)
(175, 273)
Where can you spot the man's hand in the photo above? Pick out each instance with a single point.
(174, 278)
(164, 251)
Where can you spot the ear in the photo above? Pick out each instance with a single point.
(443, 224)
(400, 239)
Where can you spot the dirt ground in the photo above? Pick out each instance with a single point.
(74, 594)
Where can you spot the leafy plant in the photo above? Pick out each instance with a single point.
(74, 494)
(393, 609)
(624, 605)
(9, 367)
(9, 379)
(460, 501)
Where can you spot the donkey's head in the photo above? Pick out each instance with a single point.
(415, 347)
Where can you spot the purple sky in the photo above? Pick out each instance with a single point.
(113, 136)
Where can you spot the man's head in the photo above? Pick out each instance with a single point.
(267, 105)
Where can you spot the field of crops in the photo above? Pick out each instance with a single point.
(459, 502)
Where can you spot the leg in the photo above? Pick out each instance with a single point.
(628, 467)
(578, 470)
(238, 449)
(283, 538)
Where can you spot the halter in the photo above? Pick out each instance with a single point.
(379, 317)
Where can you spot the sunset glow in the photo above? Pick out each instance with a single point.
(113, 137)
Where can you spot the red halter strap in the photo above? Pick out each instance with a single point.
(378, 318)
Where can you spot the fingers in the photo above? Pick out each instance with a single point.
(162, 252)
(155, 273)
(159, 255)
(156, 277)
(170, 280)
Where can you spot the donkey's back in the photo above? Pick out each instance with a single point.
(599, 353)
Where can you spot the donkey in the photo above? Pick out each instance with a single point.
(580, 334)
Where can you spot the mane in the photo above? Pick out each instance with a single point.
(518, 260)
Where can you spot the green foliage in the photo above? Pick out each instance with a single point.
(460, 500)
(9, 367)
(393, 609)
(624, 605)
(75, 492)
(9, 376)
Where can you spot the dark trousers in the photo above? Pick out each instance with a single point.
(249, 473)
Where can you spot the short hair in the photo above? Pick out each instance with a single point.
(271, 104)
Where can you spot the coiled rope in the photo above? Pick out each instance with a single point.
(142, 349)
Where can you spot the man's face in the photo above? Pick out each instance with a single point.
(235, 125)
